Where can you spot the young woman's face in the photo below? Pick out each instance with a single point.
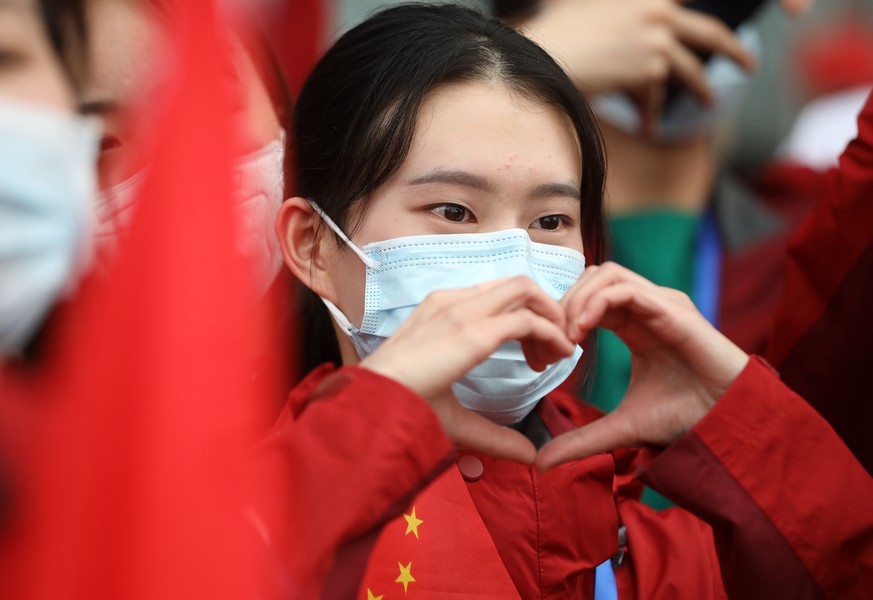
(483, 159)
(29, 69)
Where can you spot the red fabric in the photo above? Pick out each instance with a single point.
(829, 242)
(753, 276)
(550, 531)
(518, 526)
(838, 56)
(751, 289)
(424, 543)
(758, 435)
(353, 448)
(820, 339)
(143, 391)
(297, 30)
(670, 554)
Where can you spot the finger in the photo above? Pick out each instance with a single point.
(517, 292)
(491, 284)
(606, 275)
(612, 307)
(604, 435)
(688, 69)
(474, 432)
(440, 299)
(587, 274)
(705, 32)
(543, 341)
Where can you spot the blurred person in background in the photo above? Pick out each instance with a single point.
(47, 190)
(680, 216)
(47, 171)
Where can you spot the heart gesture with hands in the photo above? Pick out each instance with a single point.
(680, 364)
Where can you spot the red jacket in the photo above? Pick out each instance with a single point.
(823, 327)
(763, 479)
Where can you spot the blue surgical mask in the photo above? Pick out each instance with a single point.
(47, 191)
(402, 272)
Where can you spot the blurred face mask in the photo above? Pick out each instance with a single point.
(685, 116)
(400, 274)
(47, 191)
(257, 181)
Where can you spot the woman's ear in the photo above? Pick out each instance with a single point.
(304, 250)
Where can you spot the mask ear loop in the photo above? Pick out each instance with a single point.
(367, 260)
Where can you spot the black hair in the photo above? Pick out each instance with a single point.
(356, 114)
(64, 22)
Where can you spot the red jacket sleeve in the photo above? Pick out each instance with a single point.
(350, 450)
(788, 503)
(822, 330)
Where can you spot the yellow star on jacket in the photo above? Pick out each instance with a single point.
(370, 595)
(412, 523)
(405, 576)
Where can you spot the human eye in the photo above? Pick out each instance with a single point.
(453, 212)
(552, 222)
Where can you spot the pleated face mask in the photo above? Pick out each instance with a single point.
(401, 272)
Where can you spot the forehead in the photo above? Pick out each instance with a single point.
(128, 50)
(485, 124)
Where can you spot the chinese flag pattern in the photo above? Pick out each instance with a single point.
(439, 548)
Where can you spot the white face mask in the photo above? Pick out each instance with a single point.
(257, 180)
(115, 209)
(401, 272)
(259, 189)
(47, 190)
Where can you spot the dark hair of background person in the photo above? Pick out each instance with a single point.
(515, 9)
(64, 22)
(356, 115)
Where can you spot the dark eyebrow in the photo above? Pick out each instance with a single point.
(454, 177)
(97, 107)
(567, 190)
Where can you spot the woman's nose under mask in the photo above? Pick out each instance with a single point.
(401, 272)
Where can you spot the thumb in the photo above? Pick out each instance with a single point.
(601, 436)
(470, 431)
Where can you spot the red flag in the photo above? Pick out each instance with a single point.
(298, 31)
(439, 548)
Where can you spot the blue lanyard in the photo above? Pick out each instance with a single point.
(604, 582)
(706, 283)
